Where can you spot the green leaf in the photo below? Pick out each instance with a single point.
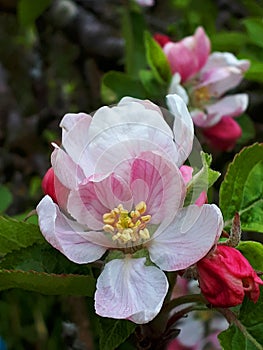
(202, 180)
(254, 28)
(255, 72)
(157, 60)
(228, 41)
(114, 332)
(246, 333)
(6, 198)
(248, 128)
(133, 27)
(28, 10)
(41, 258)
(253, 252)
(15, 235)
(154, 89)
(234, 338)
(121, 84)
(50, 284)
(242, 189)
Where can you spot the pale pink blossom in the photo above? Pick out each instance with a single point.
(118, 187)
(202, 79)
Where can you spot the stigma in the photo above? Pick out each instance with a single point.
(125, 226)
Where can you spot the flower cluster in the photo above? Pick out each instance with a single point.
(116, 185)
(202, 79)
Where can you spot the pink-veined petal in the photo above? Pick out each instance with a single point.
(65, 169)
(229, 106)
(95, 197)
(188, 238)
(176, 88)
(183, 128)
(159, 184)
(65, 234)
(188, 56)
(126, 130)
(220, 80)
(180, 58)
(199, 117)
(127, 289)
(75, 137)
(202, 47)
(224, 59)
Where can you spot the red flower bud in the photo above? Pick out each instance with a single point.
(225, 277)
(48, 184)
(224, 134)
(161, 39)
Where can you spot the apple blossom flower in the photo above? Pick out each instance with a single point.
(118, 187)
(202, 79)
(225, 277)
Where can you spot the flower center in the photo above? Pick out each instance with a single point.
(201, 95)
(127, 226)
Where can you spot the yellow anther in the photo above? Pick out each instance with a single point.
(117, 236)
(135, 214)
(202, 94)
(126, 235)
(144, 234)
(107, 216)
(115, 212)
(108, 219)
(137, 223)
(108, 228)
(141, 207)
(126, 226)
(146, 218)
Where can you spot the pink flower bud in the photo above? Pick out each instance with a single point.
(48, 185)
(189, 55)
(224, 134)
(161, 39)
(226, 276)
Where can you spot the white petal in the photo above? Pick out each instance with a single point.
(65, 169)
(188, 238)
(127, 289)
(65, 234)
(124, 131)
(183, 128)
(224, 59)
(75, 137)
(229, 106)
(176, 88)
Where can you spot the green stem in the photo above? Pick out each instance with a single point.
(190, 298)
(232, 319)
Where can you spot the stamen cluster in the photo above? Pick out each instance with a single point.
(127, 226)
